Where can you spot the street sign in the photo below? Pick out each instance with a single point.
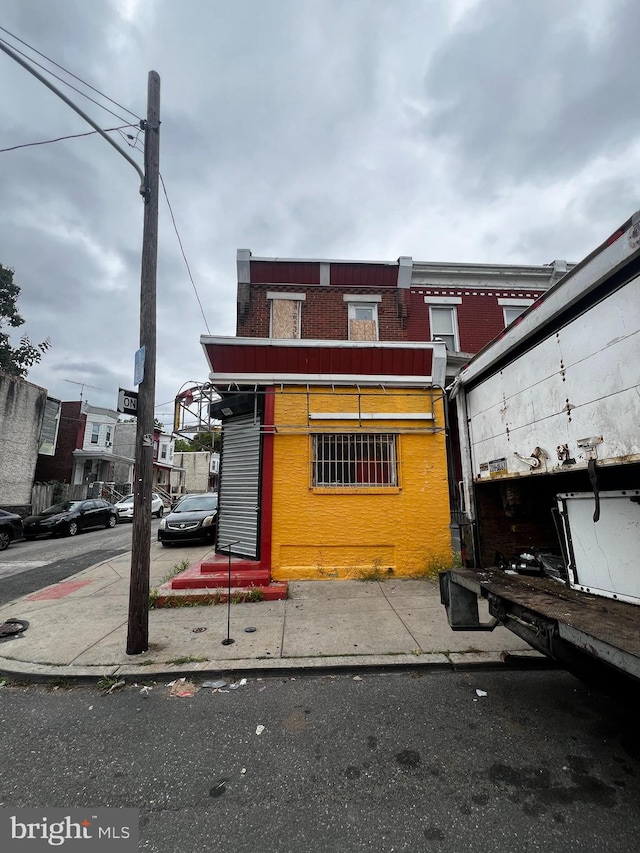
(127, 402)
(138, 367)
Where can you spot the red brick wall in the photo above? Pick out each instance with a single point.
(480, 318)
(324, 313)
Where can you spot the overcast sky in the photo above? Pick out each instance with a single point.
(500, 131)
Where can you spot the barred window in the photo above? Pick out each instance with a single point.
(354, 460)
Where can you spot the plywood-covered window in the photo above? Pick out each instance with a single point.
(347, 459)
(363, 321)
(285, 315)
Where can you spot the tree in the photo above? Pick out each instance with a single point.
(200, 441)
(15, 360)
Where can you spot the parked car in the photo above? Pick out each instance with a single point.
(70, 517)
(124, 508)
(10, 528)
(195, 517)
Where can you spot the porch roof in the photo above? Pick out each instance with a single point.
(101, 455)
(278, 361)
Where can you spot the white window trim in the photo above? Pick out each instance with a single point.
(351, 310)
(292, 297)
(454, 313)
(515, 303)
(443, 300)
(361, 297)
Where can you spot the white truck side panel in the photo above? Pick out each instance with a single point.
(583, 381)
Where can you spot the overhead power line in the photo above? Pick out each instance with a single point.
(70, 73)
(62, 138)
(62, 80)
(175, 227)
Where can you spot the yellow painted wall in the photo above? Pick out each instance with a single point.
(354, 532)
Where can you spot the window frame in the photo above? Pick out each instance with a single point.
(354, 461)
(95, 433)
(453, 313)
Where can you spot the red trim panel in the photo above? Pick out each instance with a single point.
(311, 360)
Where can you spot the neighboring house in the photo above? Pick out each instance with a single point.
(85, 452)
(333, 457)
(194, 471)
(163, 451)
(28, 421)
(464, 305)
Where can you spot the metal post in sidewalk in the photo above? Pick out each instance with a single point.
(228, 641)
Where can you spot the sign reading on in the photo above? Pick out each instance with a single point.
(127, 402)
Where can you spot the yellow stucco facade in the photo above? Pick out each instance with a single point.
(397, 528)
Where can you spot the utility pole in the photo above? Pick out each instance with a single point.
(138, 624)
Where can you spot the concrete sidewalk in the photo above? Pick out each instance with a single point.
(78, 629)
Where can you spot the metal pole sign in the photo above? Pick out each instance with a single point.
(138, 366)
(127, 402)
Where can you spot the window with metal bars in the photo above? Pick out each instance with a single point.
(348, 459)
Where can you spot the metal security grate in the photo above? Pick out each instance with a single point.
(354, 460)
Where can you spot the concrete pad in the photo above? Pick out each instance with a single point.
(334, 590)
(375, 605)
(58, 634)
(433, 634)
(410, 587)
(175, 639)
(345, 633)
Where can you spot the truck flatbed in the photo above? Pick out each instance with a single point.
(548, 614)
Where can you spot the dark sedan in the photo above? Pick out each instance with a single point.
(10, 528)
(194, 518)
(70, 517)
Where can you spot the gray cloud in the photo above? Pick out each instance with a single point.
(525, 91)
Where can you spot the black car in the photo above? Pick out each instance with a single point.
(70, 517)
(195, 517)
(10, 528)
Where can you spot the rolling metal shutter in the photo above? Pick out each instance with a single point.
(238, 509)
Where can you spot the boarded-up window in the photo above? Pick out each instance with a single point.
(285, 318)
(363, 322)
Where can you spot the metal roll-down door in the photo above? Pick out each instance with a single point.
(238, 508)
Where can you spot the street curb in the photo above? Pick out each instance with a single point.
(452, 662)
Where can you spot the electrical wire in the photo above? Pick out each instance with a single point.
(62, 138)
(175, 227)
(57, 77)
(70, 73)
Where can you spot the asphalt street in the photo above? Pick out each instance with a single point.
(29, 566)
(375, 762)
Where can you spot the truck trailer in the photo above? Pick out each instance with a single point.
(549, 430)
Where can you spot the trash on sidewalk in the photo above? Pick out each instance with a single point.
(115, 686)
(357, 678)
(12, 627)
(236, 684)
(145, 691)
(481, 692)
(182, 688)
(259, 730)
(215, 685)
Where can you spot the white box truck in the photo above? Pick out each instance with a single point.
(549, 423)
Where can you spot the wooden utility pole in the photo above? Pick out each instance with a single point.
(138, 625)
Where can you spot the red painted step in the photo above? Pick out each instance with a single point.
(194, 578)
(220, 563)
